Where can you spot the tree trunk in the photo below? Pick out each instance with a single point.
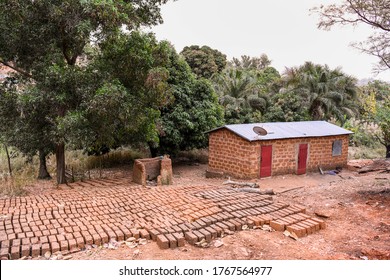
(60, 158)
(8, 160)
(388, 151)
(153, 150)
(43, 173)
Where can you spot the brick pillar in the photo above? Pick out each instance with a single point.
(139, 173)
(166, 171)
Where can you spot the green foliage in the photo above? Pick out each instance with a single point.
(363, 133)
(244, 92)
(328, 93)
(382, 118)
(194, 109)
(287, 107)
(375, 108)
(204, 61)
(251, 63)
(51, 44)
(381, 89)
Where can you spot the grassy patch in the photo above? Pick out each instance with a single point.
(195, 155)
(114, 158)
(25, 170)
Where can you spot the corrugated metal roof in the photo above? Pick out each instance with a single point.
(283, 130)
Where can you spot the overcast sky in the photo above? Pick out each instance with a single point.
(285, 30)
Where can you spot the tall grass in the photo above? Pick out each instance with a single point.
(25, 171)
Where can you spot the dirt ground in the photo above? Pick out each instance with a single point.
(356, 208)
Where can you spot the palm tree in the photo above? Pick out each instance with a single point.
(239, 94)
(328, 93)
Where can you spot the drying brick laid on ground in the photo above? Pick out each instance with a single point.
(162, 241)
(105, 210)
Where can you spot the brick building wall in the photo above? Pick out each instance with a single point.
(240, 158)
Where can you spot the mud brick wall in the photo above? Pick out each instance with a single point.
(240, 158)
(233, 155)
(146, 169)
(151, 169)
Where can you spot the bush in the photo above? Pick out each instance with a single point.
(195, 155)
(363, 134)
(365, 152)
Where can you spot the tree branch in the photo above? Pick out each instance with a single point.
(21, 71)
(365, 19)
(380, 140)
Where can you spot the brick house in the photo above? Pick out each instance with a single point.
(265, 149)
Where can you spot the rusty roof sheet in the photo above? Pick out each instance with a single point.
(284, 130)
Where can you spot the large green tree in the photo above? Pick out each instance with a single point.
(46, 42)
(193, 110)
(286, 107)
(131, 81)
(204, 61)
(22, 123)
(375, 13)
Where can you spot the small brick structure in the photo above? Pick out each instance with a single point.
(291, 148)
(158, 168)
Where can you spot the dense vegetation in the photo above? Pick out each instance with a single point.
(84, 81)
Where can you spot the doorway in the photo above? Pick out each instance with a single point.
(302, 159)
(266, 161)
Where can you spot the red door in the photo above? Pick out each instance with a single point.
(302, 159)
(266, 161)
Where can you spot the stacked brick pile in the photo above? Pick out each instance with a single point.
(96, 211)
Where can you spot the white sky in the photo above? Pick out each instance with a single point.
(285, 30)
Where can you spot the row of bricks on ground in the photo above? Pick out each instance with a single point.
(225, 220)
(213, 224)
(235, 195)
(306, 225)
(53, 229)
(104, 198)
(106, 207)
(103, 208)
(300, 224)
(71, 220)
(96, 217)
(176, 239)
(99, 214)
(95, 235)
(70, 242)
(80, 195)
(37, 230)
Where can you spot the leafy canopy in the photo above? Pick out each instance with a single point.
(48, 43)
(204, 61)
